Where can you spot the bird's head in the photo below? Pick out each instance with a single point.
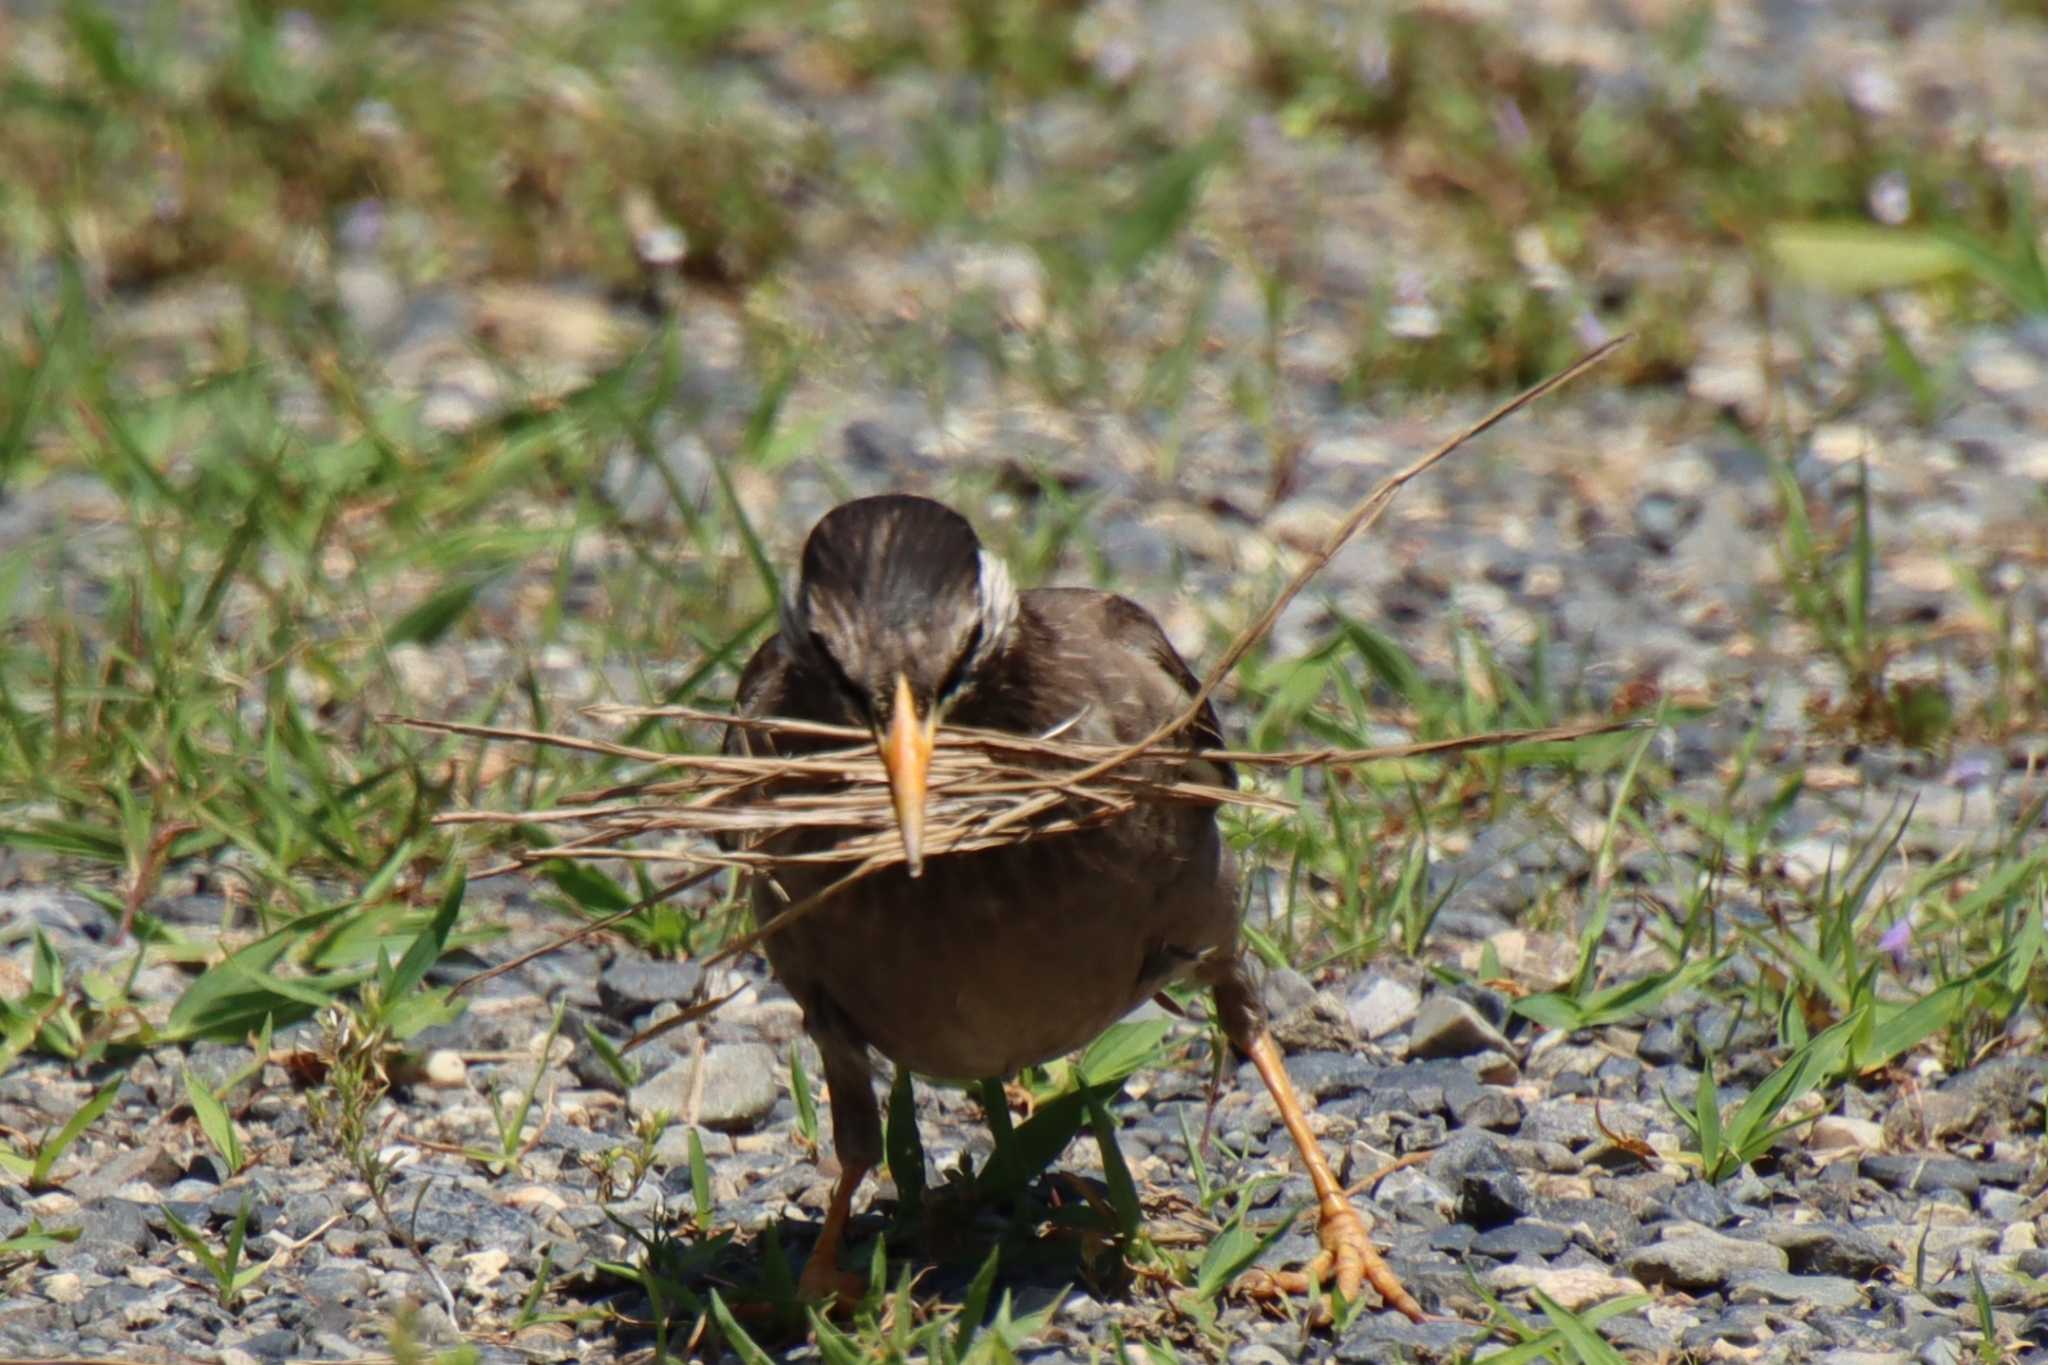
(898, 604)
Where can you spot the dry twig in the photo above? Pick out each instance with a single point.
(710, 811)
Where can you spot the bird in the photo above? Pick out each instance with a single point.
(974, 965)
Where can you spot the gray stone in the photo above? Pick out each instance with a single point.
(1325, 1075)
(1520, 1239)
(1829, 1249)
(1826, 1293)
(1484, 1107)
(1385, 1005)
(2001, 1205)
(631, 986)
(738, 1087)
(1695, 1258)
(337, 1284)
(454, 1213)
(1487, 1190)
(1698, 1202)
(1946, 1350)
(1391, 1337)
(1446, 1026)
(1662, 518)
(1914, 1173)
(1638, 1336)
(146, 1161)
(113, 1227)
(305, 1210)
(1665, 1042)
(2002, 1291)
(1602, 1226)
(1568, 1122)
(276, 1344)
(1744, 1327)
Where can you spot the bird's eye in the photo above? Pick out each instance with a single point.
(957, 674)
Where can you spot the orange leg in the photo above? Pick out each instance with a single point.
(822, 1278)
(1348, 1257)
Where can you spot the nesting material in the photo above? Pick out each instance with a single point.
(987, 789)
(697, 813)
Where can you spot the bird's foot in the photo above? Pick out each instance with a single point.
(1020, 1099)
(1347, 1261)
(823, 1282)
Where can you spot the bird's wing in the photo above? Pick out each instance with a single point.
(764, 687)
(1153, 682)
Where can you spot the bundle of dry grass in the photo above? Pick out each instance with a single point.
(699, 813)
(986, 789)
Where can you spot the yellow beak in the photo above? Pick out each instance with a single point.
(907, 757)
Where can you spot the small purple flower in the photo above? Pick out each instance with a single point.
(1898, 941)
(1509, 125)
(1374, 62)
(1891, 198)
(1972, 768)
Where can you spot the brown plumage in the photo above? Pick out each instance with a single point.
(973, 966)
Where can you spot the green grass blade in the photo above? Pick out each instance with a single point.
(87, 1115)
(214, 1121)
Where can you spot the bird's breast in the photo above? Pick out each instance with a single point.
(995, 961)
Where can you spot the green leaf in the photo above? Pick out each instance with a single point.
(700, 1180)
(237, 1232)
(1586, 1344)
(623, 1068)
(1892, 1030)
(67, 838)
(1752, 1130)
(974, 1306)
(88, 1114)
(427, 622)
(590, 889)
(214, 1121)
(1388, 662)
(800, 1092)
(1163, 205)
(1123, 1192)
(1858, 258)
(834, 1346)
(235, 995)
(736, 1337)
(46, 970)
(1707, 1122)
(432, 941)
(1036, 1143)
(196, 1244)
(1612, 1004)
(1122, 1049)
(902, 1147)
(37, 1240)
(1234, 1249)
(222, 989)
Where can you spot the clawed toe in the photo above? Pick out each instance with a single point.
(826, 1285)
(1347, 1262)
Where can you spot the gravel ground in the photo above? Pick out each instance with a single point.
(1626, 531)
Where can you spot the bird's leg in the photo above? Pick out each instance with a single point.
(856, 1138)
(822, 1278)
(1348, 1258)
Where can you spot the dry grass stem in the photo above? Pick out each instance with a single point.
(708, 811)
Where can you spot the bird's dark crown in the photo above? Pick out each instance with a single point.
(894, 585)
